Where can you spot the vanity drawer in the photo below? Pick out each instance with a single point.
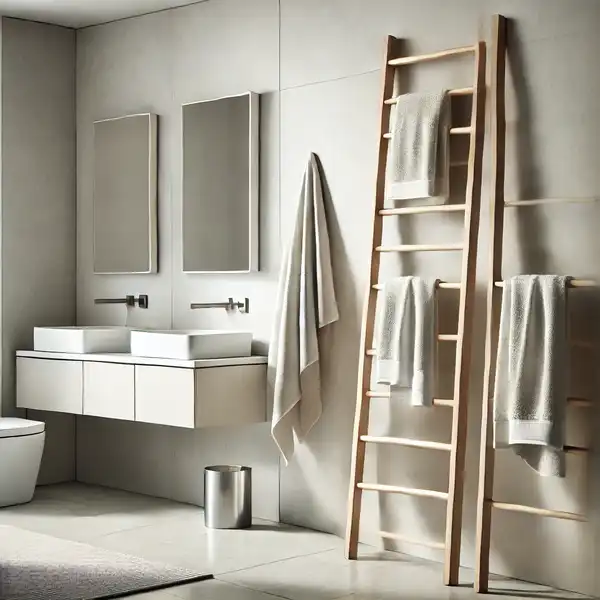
(108, 390)
(164, 395)
(206, 397)
(45, 384)
(231, 395)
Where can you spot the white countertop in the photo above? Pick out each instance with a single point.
(129, 359)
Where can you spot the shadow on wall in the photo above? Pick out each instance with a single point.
(534, 256)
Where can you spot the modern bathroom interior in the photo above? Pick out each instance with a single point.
(195, 277)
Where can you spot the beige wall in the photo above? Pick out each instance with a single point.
(38, 207)
(317, 63)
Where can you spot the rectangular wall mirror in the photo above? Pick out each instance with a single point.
(220, 185)
(125, 195)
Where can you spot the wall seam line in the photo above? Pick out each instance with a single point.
(342, 78)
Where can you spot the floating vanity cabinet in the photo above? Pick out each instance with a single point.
(179, 393)
(47, 384)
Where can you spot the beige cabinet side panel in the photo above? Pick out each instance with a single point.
(108, 390)
(231, 395)
(164, 395)
(55, 385)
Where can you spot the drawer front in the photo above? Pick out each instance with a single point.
(55, 385)
(234, 395)
(164, 395)
(108, 390)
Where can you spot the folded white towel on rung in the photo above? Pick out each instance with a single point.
(418, 156)
(405, 338)
(530, 395)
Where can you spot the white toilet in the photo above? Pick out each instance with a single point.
(21, 447)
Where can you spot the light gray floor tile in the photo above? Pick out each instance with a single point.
(191, 545)
(303, 578)
(158, 595)
(82, 513)
(218, 590)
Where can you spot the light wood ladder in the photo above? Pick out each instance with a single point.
(485, 501)
(466, 288)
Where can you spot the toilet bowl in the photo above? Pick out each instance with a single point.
(21, 447)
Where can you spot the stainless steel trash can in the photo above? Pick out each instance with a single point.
(228, 497)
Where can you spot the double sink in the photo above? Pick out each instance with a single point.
(176, 344)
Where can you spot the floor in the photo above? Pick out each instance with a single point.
(263, 563)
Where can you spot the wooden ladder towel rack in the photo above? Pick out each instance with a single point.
(485, 501)
(466, 288)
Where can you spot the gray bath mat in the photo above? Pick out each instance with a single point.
(40, 567)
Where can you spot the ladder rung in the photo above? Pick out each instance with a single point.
(441, 337)
(577, 450)
(453, 131)
(436, 401)
(397, 489)
(411, 60)
(442, 285)
(374, 439)
(580, 402)
(447, 337)
(541, 201)
(542, 512)
(460, 130)
(421, 248)
(401, 538)
(573, 283)
(467, 91)
(417, 210)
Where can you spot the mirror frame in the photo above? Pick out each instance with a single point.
(253, 182)
(152, 197)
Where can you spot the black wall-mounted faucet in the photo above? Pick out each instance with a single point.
(141, 301)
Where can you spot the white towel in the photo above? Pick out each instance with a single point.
(306, 302)
(418, 158)
(404, 338)
(532, 367)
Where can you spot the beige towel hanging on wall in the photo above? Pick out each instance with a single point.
(306, 303)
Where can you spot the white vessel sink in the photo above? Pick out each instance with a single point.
(191, 344)
(81, 340)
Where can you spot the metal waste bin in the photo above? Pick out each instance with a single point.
(228, 497)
